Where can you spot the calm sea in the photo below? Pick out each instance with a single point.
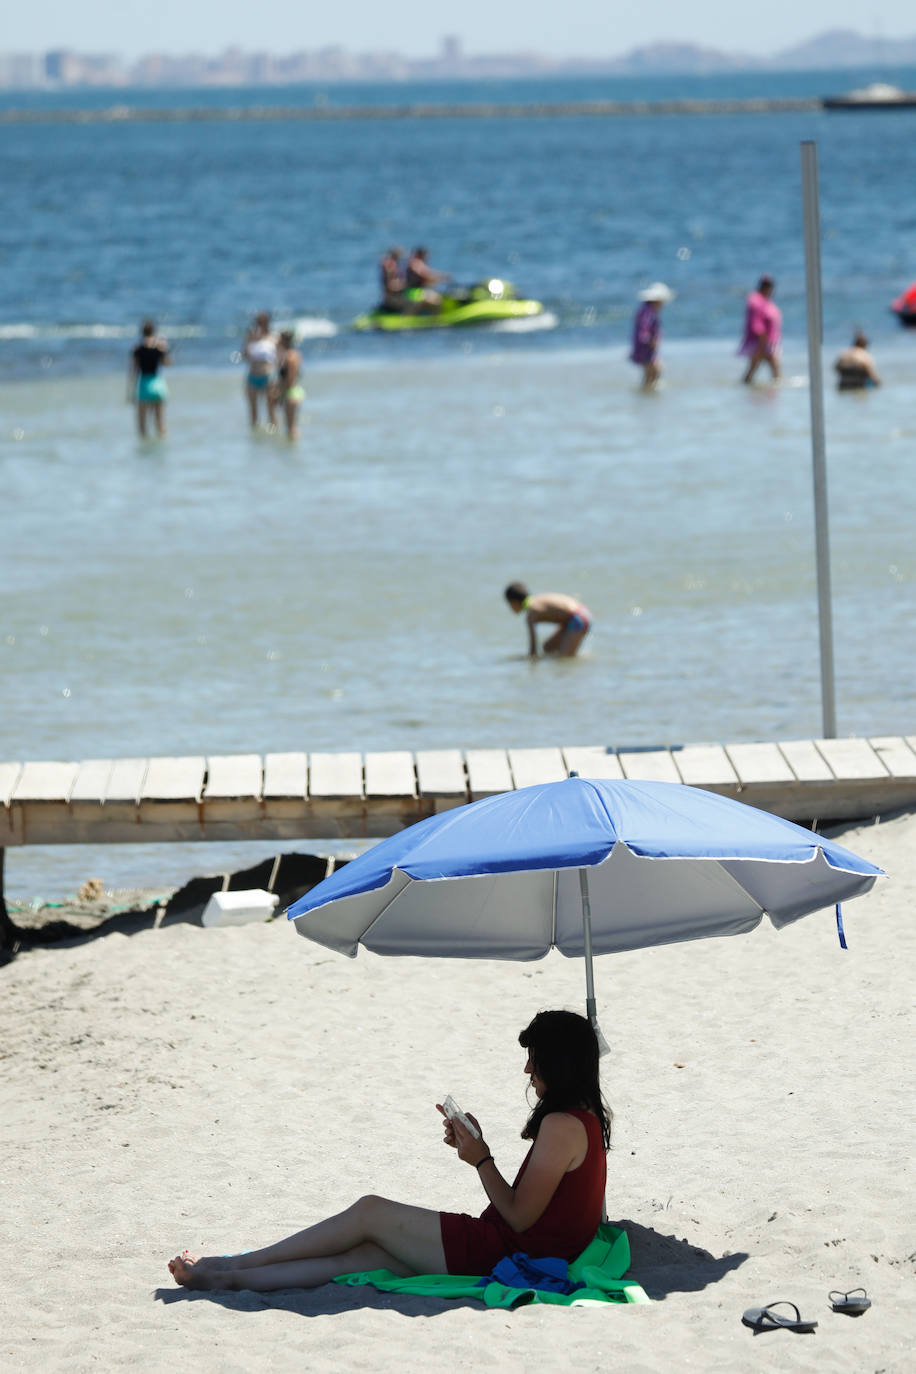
(223, 592)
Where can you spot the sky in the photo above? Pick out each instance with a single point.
(600, 28)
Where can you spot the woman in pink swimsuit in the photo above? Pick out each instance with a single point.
(762, 329)
(552, 1208)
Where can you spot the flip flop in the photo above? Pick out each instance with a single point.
(765, 1319)
(853, 1303)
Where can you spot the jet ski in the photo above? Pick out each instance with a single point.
(482, 303)
(904, 307)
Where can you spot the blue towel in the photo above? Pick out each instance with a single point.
(542, 1275)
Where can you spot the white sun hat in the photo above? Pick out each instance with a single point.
(658, 291)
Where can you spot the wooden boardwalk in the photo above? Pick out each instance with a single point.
(322, 796)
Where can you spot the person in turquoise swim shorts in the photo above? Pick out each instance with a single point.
(259, 352)
(145, 386)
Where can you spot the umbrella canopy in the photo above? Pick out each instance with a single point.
(501, 878)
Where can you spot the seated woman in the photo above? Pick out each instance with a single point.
(552, 1208)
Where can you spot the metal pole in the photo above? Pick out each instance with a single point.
(591, 1007)
(812, 231)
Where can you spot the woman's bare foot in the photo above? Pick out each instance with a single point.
(202, 1272)
(210, 1262)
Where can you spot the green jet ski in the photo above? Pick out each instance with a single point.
(480, 304)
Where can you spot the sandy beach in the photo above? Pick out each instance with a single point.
(216, 1089)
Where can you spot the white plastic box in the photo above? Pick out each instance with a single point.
(239, 908)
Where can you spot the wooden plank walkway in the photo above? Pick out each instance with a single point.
(349, 795)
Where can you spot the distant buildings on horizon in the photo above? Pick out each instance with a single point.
(64, 68)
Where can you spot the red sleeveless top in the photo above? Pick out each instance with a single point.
(473, 1245)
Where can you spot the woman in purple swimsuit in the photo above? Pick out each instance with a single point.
(647, 332)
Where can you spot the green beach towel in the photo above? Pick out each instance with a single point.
(601, 1267)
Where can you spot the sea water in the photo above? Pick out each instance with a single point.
(222, 591)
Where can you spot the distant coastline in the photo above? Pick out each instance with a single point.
(63, 69)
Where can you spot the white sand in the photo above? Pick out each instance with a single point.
(216, 1089)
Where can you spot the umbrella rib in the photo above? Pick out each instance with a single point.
(739, 885)
(388, 905)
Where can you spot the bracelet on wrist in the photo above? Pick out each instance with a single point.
(486, 1160)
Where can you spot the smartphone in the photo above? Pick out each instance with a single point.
(452, 1110)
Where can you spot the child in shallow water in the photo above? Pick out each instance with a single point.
(553, 608)
(552, 1208)
(290, 391)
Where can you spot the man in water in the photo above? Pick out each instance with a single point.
(422, 281)
(553, 608)
(392, 276)
(762, 329)
(647, 332)
(855, 367)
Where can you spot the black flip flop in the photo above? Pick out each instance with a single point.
(765, 1319)
(853, 1304)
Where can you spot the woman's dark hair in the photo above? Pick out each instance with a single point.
(563, 1050)
(147, 329)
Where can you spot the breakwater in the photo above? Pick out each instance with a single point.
(116, 114)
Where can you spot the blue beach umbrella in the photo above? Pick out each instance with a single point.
(584, 866)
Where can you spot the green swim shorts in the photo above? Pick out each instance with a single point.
(151, 389)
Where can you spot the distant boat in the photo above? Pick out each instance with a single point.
(877, 96)
(904, 307)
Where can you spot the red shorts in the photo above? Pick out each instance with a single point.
(474, 1245)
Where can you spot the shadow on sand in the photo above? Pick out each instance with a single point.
(661, 1263)
(289, 876)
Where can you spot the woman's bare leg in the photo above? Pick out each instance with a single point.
(304, 1273)
(141, 418)
(252, 395)
(650, 374)
(760, 354)
(410, 1235)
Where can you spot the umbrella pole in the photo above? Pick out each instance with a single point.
(591, 1008)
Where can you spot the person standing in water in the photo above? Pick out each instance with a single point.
(855, 367)
(145, 386)
(290, 391)
(647, 332)
(260, 353)
(762, 329)
(573, 620)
